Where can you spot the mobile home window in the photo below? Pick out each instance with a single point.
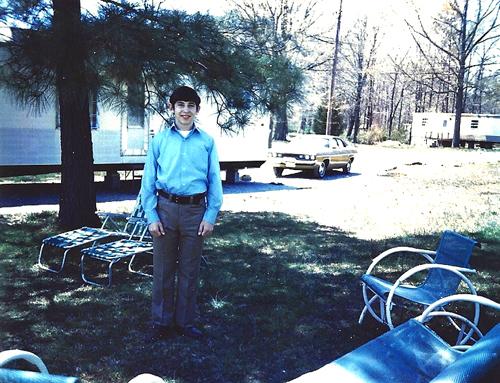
(135, 115)
(93, 112)
(94, 122)
(58, 114)
(445, 123)
(474, 124)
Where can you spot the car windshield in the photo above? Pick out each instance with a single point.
(310, 141)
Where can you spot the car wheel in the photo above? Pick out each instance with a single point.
(347, 168)
(320, 170)
(278, 172)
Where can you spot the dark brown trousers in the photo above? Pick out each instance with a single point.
(177, 253)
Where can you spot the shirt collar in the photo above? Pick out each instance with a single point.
(194, 128)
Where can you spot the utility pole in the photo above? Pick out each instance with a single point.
(329, 114)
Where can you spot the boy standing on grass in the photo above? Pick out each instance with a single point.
(181, 194)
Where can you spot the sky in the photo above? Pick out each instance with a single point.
(352, 8)
(389, 14)
(214, 7)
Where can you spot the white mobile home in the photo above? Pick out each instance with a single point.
(30, 143)
(436, 129)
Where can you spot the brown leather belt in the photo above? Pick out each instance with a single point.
(194, 199)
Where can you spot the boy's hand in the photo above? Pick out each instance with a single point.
(205, 228)
(156, 229)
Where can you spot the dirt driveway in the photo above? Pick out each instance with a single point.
(391, 191)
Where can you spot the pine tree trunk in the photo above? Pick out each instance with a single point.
(281, 123)
(271, 130)
(77, 204)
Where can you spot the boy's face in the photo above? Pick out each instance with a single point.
(185, 113)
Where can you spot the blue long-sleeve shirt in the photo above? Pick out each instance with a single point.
(182, 166)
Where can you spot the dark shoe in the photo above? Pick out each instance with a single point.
(158, 332)
(190, 331)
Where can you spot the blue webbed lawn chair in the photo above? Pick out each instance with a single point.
(8, 375)
(139, 242)
(445, 272)
(77, 239)
(413, 353)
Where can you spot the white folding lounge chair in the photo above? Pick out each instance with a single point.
(77, 239)
(8, 375)
(139, 242)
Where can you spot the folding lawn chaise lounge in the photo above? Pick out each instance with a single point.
(413, 353)
(444, 272)
(77, 239)
(139, 242)
(9, 375)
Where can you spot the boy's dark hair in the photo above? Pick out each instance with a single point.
(185, 93)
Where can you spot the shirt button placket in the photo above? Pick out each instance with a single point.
(183, 162)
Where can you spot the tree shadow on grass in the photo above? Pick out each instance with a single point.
(278, 297)
(26, 194)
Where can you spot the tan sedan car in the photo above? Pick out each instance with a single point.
(317, 153)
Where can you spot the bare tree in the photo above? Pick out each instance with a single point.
(278, 31)
(398, 83)
(360, 56)
(468, 24)
(480, 79)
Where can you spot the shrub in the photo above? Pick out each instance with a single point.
(378, 134)
(319, 121)
(371, 136)
(400, 135)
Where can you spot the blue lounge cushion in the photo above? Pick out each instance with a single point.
(479, 364)
(409, 353)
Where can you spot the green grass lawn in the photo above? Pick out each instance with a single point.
(278, 297)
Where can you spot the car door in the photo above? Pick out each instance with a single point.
(343, 152)
(335, 154)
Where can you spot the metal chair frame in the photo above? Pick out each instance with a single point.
(8, 375)
(113, 252)
(386, 302)
(77, 239)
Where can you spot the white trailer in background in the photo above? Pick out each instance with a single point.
(436, 129)
(246, 148)
(30, 143)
